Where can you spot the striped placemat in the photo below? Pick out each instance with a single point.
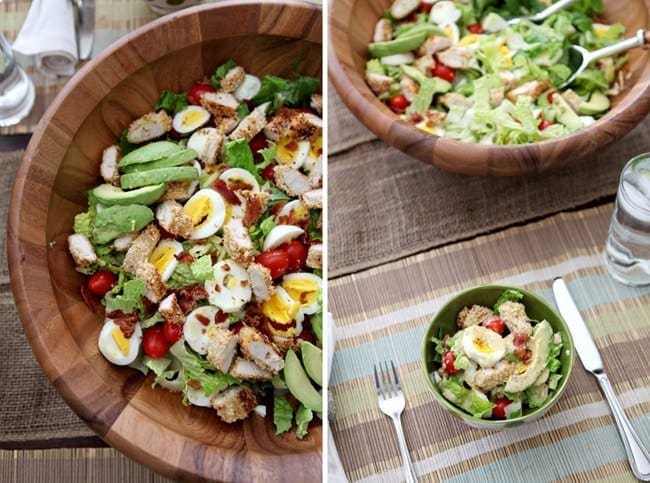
(382, 314)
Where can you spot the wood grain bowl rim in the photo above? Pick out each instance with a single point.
(477, 159)
(112, 417)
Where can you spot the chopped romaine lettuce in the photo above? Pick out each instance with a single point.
(303, 418)
(509, 295)
(282, 414)
(238, 154)
(201, 268)
(453, 389)
(126, 296)
(222, 70)
(170, 101)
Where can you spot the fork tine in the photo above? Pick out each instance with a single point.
(377, 385)
(389, 383)
(397, 384)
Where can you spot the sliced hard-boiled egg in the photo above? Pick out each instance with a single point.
(282, 309)
(248, 88)
(471, 39)
(600, 29)
(231, 288)
(190, 119)
(196, 328)
(435, 129)
(164, 258)
(483, 346)
(238, 178)
(116, 348)
(294, 210)
(207, 143)
(304, 288)
(291, 152)
(444, 12)
(281, 234)
(208, 212)
(314, 155)
(451, 29)
(197, 397)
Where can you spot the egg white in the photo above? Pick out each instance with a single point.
(444, 12)
(230, 288)
(305, 308)
(109, 348)
(248, 88)
(281, 234)
(197, 397)
(234, 175)
(296, 207)
(295, 157)
(215, 216)
(190, 119)
(195, 332)
(169, 249)
(483, 346)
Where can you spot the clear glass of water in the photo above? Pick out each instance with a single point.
(627, 252)
(16, 88)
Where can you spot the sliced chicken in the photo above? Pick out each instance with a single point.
(514, 316)
(234, 403)
(257, 348)
(291, 180)
(316, 174)
(315, 256)
(383, 31)
(150, 276)
(313, 198)
(305, 125)
(261, 281)
(173, 218)
(497, 96)
(433, 44)
(238, 242)
(251, 124)
(124, 242)
(149, 127)
(246, 370)
(379, 83)
(207, 142)
(403, 8)
(170, 310)
(454, 99)
(424, 64)
(455, 57)
(409, 88)
(222, 348)
(533, 89)
(233, 79)
(82, 250)
(509, 79)
(141, 248)
(108, 168)
(473, 315)
(179, 191)
(316, 103)
(220, 104)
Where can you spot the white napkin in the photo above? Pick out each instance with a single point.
(49, 35)
(335, 472)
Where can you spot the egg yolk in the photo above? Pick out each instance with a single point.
(287, 149)
(481, 346)
(316, 148)
(303, 291)
(469, 40)
(160, 257)
(121, 342)
(279, 310)
(192, 117)
(198, 209)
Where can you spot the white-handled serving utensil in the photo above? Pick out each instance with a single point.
(637, 454)
(547, 12)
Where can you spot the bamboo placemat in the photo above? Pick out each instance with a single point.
(382, 314)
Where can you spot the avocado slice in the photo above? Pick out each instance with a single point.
(598, 102)
(107, 194)
(539, 347)
(299, 384)
(177, 159)
(115, 221)
(312, 359)
(565, 114)
(155, 176)
(149, 152)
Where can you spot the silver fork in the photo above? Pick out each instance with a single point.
(392, 403)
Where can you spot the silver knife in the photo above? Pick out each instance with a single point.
(637, 454)
(85, 23)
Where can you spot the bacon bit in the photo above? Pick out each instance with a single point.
(217, 288)
(415, 117)
(203, 319)
(240, 186)
(184, 257)
(519, 338)
(256, 319)
(188, 297)
(291, 146)
(254, 210)
(279, 326)
(149, 306)
(244, 283)
(229, 195)
(303, 298)
(126, 322)
(220, 317)
(164, 233)
(91, 301)
(194, 384)
(307, 331)
(527, 356)
(225, 267)
(519, 351)
(236, 327)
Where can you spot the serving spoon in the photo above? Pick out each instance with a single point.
(539, 16)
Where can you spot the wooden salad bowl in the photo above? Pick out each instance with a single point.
(351, 26)
(62, 161)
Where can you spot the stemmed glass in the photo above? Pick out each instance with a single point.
(16, 88)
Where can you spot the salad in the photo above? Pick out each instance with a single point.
(458, 69)
(203, 242)
(499, 362)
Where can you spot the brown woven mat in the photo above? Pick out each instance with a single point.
(385, 205)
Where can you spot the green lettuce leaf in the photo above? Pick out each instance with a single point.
(303, 418)
(509, 295)
(201, 268)
(282, 414)
(261, 230)
(170, 101)
(199, 369)
(477, 404)
(238, 154)
(222, 70)
(268, 154)
(128, 296)
(279, 92)
(181, 277)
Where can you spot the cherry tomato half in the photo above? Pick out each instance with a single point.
(399, 103)
(448, 359)
(444, 72)
(258, 142)
(172, 331)
(297, 255)
(101, 282)
(544, 124)
(426, 7)
(495, 324)
(268, 173)
(154, 342)
(475, 28)
(195, 93)
(499, 411)
(276, 260)
(549, 97)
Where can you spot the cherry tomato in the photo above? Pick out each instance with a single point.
(448, 359)
(172, 332)
(101, 282)
(425, 7)
(475, 28)
(544, 124)
(297, 255)
(258, 142)
(399, 103)
(444, 72)
(549, 97)
(495, 324)
(195, 93)
(499, 411)
(276, 260)
(268, 173)
(154, 342)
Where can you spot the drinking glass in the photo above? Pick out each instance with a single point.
(16, 88)
(163, 7)
(627, 252)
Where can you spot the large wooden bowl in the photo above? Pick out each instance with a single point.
(62, 160)
(351, 26)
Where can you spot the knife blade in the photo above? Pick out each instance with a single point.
(637, 455)
(85, 24)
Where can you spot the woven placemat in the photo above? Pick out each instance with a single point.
(382, 314)
(385, 205)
